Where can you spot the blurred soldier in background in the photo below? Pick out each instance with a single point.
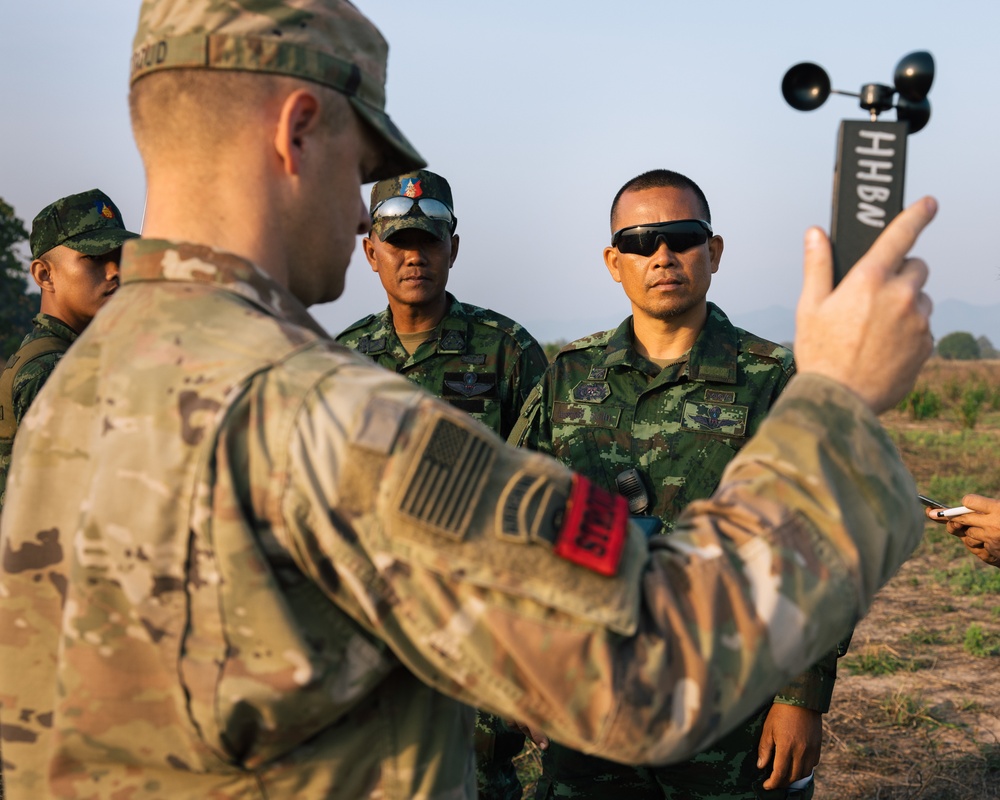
(76, 244)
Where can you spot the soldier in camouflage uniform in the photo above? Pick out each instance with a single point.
(274, 570)
(655, 410)
(478, 360)
(75, 249)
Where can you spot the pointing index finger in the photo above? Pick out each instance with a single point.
(890, 249)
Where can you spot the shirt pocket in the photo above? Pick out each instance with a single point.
(585, 437)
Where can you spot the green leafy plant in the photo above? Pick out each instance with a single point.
(970, 405)
(923, 403)
(881, 661)
(980, 642)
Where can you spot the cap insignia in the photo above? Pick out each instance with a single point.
(410, 187)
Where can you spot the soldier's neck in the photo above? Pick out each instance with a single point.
(183, 209)
(414, 319)
(667, 339)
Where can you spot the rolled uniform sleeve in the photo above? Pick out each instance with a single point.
(533, 430)
(433, 535)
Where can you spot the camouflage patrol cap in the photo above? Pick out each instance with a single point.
(419, 185)
(87, 222)
(325, 41)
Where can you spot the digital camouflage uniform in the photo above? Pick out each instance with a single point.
(28, 379)
(602, 408)
(270, 565)
(89, 223)
(479, 361)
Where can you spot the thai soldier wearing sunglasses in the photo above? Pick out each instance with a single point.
(478, 360)
(656, 409)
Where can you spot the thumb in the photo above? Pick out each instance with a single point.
(765, 750)
(817, 281)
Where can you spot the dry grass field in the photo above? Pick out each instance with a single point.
(915, 713)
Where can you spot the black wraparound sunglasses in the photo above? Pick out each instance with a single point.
(679, 235)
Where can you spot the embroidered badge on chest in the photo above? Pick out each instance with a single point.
(452, 342)
(591, 391)
(470, 384)
(725, 420)
(598, 374)
(474, 358)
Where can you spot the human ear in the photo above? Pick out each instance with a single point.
(611, 262)
(369, 247)
(298, 122)
(41, 271)
(715, 247)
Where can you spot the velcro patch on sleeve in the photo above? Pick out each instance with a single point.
(446, 480)
(594, 528)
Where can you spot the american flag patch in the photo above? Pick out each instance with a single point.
(443, 489)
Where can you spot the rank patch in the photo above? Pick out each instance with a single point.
(470, 384)
(594, 530)
(369, 346)
(410, 187)
(452, 342)
(719, 396)
(591, 391)
(724, 420)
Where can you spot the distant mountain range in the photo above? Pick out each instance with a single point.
(778, 323)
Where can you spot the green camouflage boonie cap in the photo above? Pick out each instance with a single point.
(325, 41)
(419, 185)
(87, 222)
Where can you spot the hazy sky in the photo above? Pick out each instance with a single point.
(537, 112)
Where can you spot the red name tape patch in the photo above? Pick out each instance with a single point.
(596, 524)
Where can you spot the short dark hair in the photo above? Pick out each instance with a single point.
(661, 179)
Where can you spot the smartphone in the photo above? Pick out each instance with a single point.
(930, 503)
(944, 511)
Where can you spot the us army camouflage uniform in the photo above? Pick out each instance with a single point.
(479, 361)
(602, 408)
(30, 378)
(273, 570)
(485, 364)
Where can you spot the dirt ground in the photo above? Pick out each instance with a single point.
(928, 726)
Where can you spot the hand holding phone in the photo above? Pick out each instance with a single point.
(943, 511)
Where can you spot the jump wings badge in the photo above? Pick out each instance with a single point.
(470, 385)
(712, 418)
